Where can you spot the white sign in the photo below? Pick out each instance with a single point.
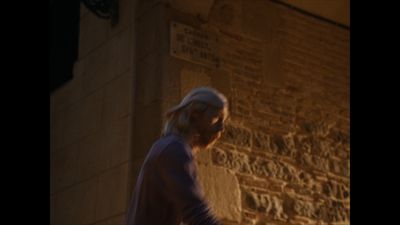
(193, 45)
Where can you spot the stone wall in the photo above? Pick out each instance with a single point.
(284, 156)
(91, 126)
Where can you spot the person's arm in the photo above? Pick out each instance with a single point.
(177, 168)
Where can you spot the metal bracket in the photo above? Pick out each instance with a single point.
(104, 9)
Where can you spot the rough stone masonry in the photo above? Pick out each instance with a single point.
(284, 156)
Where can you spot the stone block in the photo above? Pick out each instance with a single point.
(92, 156)
(68, 94)
(263, 21)
(227, 15)
(334, 212)
(112, 192)
(222, 191)
(283, 145)
(64, 167)
(52, 217)
(108, 61)
(93, 31)
(116, 220)
(149, 79)
(221, 80)
(143, 6)
(64, 207)
(152, 32)
(272, 61)
(256, 166)
(78, 120)
(171, 80)
(86, 201)
(192, 78)
(336, 190)
(118, 144)
(122, 47)
(118, 98)
(203, 157)
(261, 141)
(237, 135)
(126, 14)
(195, 8)
(266, 204)
(76, 205)
(78, 69)
(306, 209)
(147, 128)
(134, 167)
(83, 10)
(104, 149)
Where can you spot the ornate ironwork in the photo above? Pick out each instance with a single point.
(105, 9)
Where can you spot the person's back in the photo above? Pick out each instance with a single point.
(167, 191)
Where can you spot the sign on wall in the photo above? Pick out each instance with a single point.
(193, 45)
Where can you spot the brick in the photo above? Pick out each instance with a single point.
(221, 80)
(193, 78)
(263, 20)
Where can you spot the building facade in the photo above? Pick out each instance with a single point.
(284, 157)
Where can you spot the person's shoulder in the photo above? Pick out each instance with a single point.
(175, 148)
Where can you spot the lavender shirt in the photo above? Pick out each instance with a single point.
(166, 191)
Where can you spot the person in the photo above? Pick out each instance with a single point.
(167, 191)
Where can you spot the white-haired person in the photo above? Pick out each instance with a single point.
(167, 191)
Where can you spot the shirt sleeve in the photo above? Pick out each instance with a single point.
(177, 171)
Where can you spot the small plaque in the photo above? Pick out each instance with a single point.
(193, 45)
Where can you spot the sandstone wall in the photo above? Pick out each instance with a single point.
(284, 157)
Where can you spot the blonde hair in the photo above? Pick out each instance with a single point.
(180, 121)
